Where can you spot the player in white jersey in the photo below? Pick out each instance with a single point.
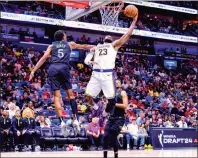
(103, 57)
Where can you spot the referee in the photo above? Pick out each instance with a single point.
(116, 120)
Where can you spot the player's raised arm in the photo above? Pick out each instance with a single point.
(118, 43)
(41, 61)
(74, 45)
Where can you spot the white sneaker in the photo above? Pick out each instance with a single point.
(37, 148)
(62, 123)
(16, 148)
(128, 146)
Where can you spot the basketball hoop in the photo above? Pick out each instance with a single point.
(110, 12)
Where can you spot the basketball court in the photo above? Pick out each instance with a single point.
(123, 153)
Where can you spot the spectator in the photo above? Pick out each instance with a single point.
(30, 109)
(35, 35)
(160, 123)
(51, 114)
(5, 129)
(132, 128)
(82, 122)
(24, 100)
(89, 118)
(93, 133)
(5, 106)
(12, 110)
(83, 38)
(20, 31)
(142, 133)
(81, 108)
(169, 123)
(19, 129)
(72, 121)
(38, 9)
(140, 120)
(44, 122)
(194, 124)
(182, 123)
(12, 31)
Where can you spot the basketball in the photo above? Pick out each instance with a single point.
(131, 11)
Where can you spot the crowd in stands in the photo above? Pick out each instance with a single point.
(187, 4)
(157, 98)
(146, 22)
(157, 24)
(37, 8)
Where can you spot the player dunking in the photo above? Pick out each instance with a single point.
(103, 65)
(59, 71)
(116, 120)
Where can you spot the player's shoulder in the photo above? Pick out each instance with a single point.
(123, 93)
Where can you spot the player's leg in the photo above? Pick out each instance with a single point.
(57, 102)
(109, 90)
(115, 131)
(54, 79)
(92, 90)
(66, 84)
(106, 138)
(72, 102)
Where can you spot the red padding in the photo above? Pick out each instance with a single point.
(73, 4)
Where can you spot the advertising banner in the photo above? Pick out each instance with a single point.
(138, 50)
(9, 37)
(174, 137)
(187, 56)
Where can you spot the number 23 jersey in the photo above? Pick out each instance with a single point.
(105, 56)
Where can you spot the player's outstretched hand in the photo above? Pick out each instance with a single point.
(31, 76)
(136, 17)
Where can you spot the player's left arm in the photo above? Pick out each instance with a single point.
(74, 45)
(124, 104)
(89, 57)
(118, 43)
(41, 61)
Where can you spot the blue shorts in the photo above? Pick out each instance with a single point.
(59, 76)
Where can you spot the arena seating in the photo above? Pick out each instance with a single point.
(53, 135)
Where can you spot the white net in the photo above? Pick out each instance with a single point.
(110, 12)
(70, 11)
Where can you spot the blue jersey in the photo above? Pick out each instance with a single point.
(60, 52)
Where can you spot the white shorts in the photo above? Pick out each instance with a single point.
(101, 81)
